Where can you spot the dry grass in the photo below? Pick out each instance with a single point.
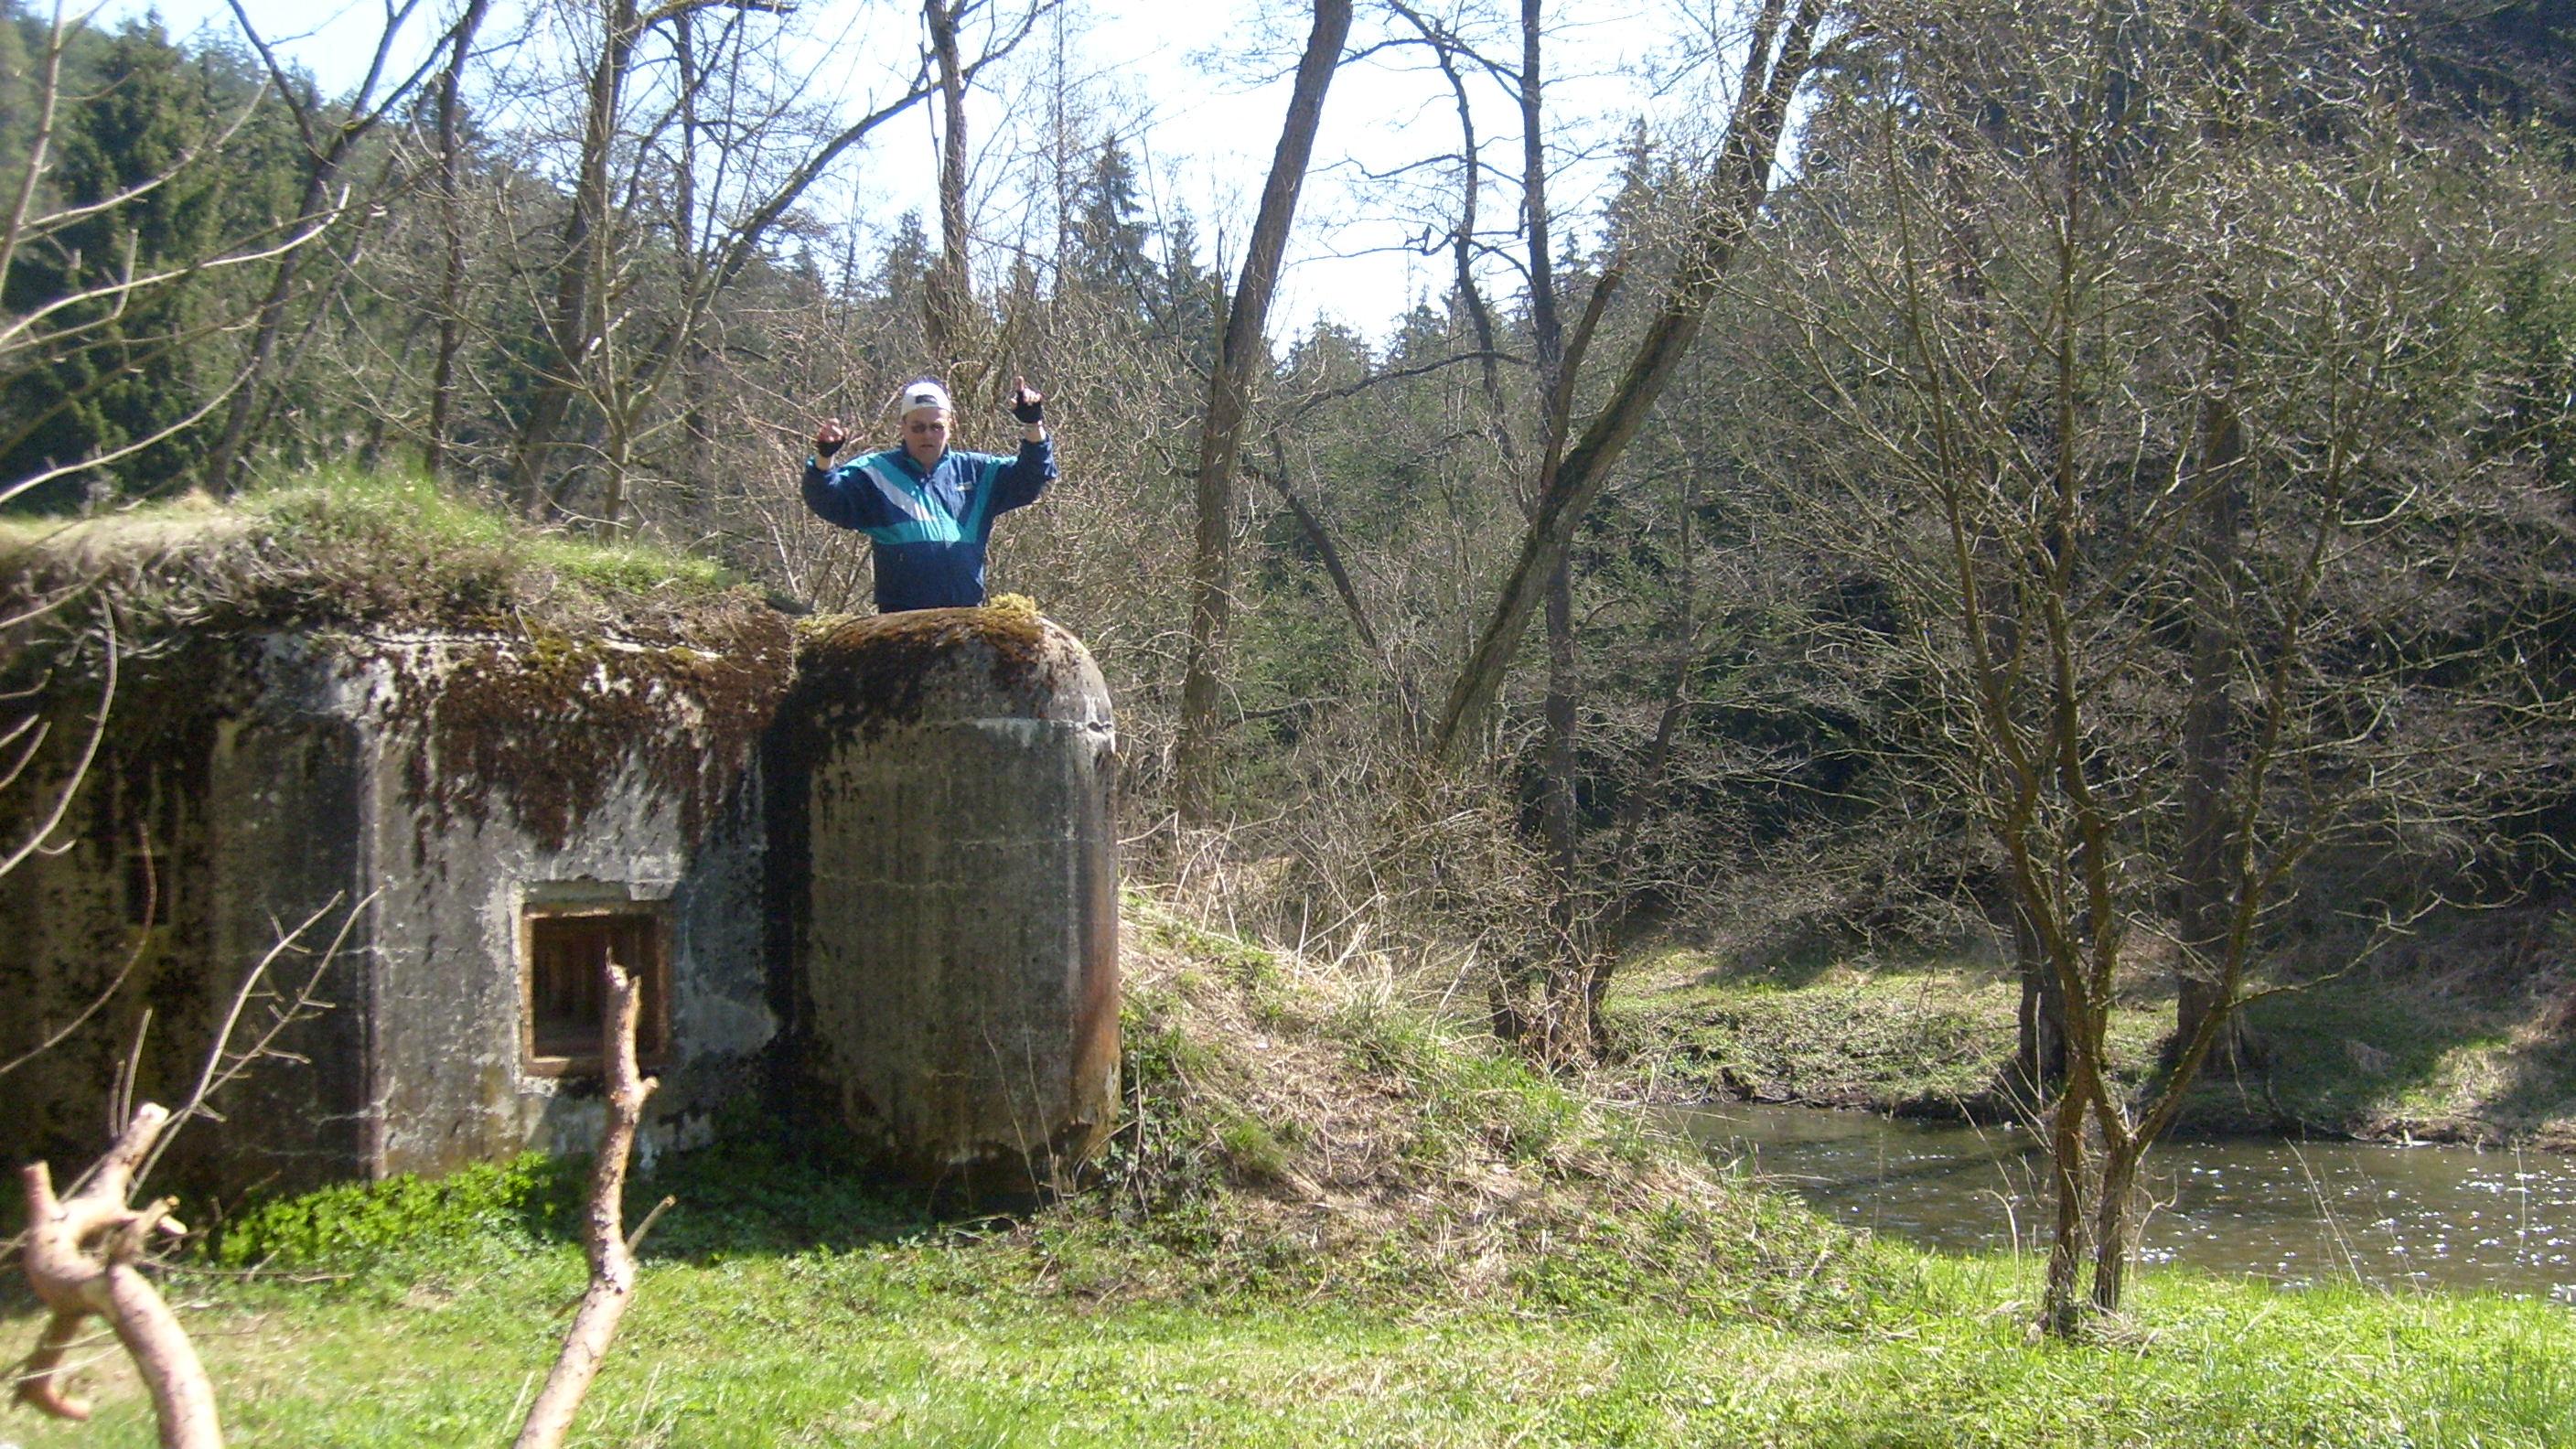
(1330, 1127)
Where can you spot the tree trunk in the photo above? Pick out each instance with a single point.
(573, 323)
(224, 461)
(1545, 328)
(944, 299)
(1445, 48)
(1576, 942)
(1568, 1036)
(2205, 890)
(2039, 1047)
(451, 280)
(1242, 350)
(2061, 1309)
(1737, 186)
(2111, 1225)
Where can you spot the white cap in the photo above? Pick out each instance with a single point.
(918, 395)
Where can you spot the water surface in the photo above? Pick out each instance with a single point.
(2449, 1217)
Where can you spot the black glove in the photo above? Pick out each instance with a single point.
(1028, 407)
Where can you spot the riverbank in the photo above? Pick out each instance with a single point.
(2464, 1034)
(1331, 1219)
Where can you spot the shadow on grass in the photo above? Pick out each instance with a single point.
(2363, 1053)
(752, 1195)
(770, 1194)
(1784, 966)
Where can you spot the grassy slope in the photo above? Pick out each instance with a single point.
(1331, 1222)
(2473, 1050)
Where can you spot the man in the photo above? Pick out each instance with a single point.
(928, 509)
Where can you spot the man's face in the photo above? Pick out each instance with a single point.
(925, 434)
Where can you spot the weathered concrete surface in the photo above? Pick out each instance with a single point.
(561, 774)
(225, 802)
(955, 925)
(899, 839)
(438, 785)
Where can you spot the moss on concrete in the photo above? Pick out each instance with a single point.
(549, 724)
(874, 671)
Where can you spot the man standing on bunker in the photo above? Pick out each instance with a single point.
(925, 507)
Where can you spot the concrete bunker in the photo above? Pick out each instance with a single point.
(950, 776)
(431, 801)
(491, 816)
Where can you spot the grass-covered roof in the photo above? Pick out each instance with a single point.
(355, 549)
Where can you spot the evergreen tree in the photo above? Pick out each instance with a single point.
(121, 367)
(1109, 254)
(1186, 307)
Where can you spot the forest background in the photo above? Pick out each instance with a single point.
(2109, 494)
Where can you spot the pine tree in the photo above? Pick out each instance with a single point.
(116, 370)
(1110, 236)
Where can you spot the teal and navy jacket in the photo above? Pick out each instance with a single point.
(929, 528)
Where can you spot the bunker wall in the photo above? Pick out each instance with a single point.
(957, 928)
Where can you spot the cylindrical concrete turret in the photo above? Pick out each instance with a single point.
(959, 933)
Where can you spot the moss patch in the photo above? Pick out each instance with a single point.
(550, 724)
(874, 670)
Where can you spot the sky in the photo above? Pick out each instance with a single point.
(1188, 86)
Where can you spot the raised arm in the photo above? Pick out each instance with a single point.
(1027, 475)
(841, 495)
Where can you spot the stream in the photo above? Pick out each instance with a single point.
(2295, 1212)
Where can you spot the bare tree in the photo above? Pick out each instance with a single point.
(451, 207)
(947, 296)
(2101, 518)
(611, 343)
(329, 145)
(1552, 1010)
(1775, 63)
(1244, 351)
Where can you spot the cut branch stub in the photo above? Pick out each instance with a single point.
(82, 1254)
(612, 1255)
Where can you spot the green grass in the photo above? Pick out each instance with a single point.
(1330, 1219)
(931, 1341)
(2442, 1059)
(2466, 1054)
(1926, 1037)
(349, 546)
(375, 507)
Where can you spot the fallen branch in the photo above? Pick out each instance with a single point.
(612, 1253)
(81, 1258)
